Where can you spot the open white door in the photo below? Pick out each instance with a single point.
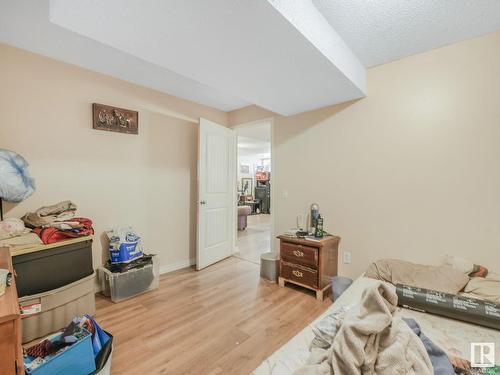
(216, 193)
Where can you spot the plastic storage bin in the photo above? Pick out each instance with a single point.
(121, 286)
(52, 267)
(48, 312)
(78, 359)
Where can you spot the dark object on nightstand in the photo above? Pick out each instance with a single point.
(310, 263)
(319, 227)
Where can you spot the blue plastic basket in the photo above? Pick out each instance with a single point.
(77, 359)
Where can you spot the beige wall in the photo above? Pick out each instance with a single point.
(412, 171)
(248, 114)
(147, 181)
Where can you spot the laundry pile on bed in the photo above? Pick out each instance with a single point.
(458, 289)
(372, 338)
(46, 225)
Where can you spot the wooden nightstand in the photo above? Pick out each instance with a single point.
(309, 263)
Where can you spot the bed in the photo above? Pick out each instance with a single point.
(453, 336)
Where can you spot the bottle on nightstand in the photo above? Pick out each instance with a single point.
(319, 227)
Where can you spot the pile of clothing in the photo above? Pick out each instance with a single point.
(46, 225)
(58, 222)
(373, 338)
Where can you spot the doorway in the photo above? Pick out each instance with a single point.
(254, 181)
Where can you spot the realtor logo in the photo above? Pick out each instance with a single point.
(482, 354)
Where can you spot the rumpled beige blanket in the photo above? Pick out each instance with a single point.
(396, 271)
(371, 340)
(48, 214)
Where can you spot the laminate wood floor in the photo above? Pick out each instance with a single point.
(221, 320)
(255, 239)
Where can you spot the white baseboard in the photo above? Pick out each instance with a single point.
(177, 265)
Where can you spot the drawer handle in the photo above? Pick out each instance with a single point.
(297, 273)
(298, 253)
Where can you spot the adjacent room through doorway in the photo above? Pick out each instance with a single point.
(254, 178)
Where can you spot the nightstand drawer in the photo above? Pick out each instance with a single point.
(301, 275)
(298, 254)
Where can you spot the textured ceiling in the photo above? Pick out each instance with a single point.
(385, 30)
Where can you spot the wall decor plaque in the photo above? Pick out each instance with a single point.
(115, 119)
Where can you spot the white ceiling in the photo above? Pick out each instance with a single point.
(386, 30)
(25, 24)
(286, 56)
(260, 50)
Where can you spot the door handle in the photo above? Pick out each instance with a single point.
(203, 202)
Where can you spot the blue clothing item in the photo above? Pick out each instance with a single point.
(439, 359)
